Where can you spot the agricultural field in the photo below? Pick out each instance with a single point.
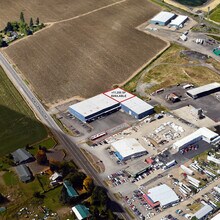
(173, 67)
(47, 11)
(18, 126)
(87, 54)
(215, 14)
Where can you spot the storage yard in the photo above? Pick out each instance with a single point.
(103, 60)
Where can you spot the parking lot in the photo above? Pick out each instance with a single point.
(111, 124)
(206, 103)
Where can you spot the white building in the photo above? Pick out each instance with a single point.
(217, 217)
(162, 195)
(201, 134)
(163, 18)
(128, 148)
(179, 21)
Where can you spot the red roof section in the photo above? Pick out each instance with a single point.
(150, 202)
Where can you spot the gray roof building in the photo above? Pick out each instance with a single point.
(24, 173)
(203, 213)
(22, 156)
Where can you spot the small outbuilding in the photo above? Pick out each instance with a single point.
(81, 212)
(24, 173)
(163, 18)
(22, 156)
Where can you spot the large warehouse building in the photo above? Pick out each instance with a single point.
(163, 18)
(128, 148)
(204, 90)
(162, 196)
(179, 21)
(201, 134)
(108, 102)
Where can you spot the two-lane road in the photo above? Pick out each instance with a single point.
(45, 117)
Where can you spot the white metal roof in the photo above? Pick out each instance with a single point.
(119, 94)
(217, 217)
(163, 194)
(203, 133)
(93, 105)
(137, 105)
(179, 20)
(205, 210)
(163, 16)
(128, 147)
(204, 88)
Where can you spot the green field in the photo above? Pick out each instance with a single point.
(193, 3)
(18, 126)
(215, 14)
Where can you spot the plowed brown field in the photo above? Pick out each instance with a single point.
(88, 54)
(47, 10)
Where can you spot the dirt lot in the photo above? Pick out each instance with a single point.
(88, 54)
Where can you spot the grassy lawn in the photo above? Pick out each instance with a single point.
(215, 14)
(48, 143)
(10, 179)
(172, 68)
(18, 126)
(52, 197)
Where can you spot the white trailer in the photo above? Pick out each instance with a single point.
(194, 184)
(187, 170)
(195, 181)
(171, 163)
(183, 191)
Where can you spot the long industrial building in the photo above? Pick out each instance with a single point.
(128, 148)
(204, 90)
(201, 134)
(179, 21)
(163, 18)
(108, 102)
(162, 196)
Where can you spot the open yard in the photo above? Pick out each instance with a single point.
(215, 14)
(18, 126)
(89, 53)
(172, 68)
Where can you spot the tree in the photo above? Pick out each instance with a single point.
(88, 184)
(2, 42)
(99, 196)
(37, 21)
(2, 198)
(41, 157)
(22, 17)
(31, 23)
(77, 179)
(8, 27)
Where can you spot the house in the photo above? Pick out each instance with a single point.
(70, 190)
(22, 156)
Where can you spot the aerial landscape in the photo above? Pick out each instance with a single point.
(110, 109)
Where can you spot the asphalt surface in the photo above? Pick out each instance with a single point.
(45, 118)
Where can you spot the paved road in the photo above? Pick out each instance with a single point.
(45, 117)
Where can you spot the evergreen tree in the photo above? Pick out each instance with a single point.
(37, 21)
(22, 17)
(9, 27)
(31, 23)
